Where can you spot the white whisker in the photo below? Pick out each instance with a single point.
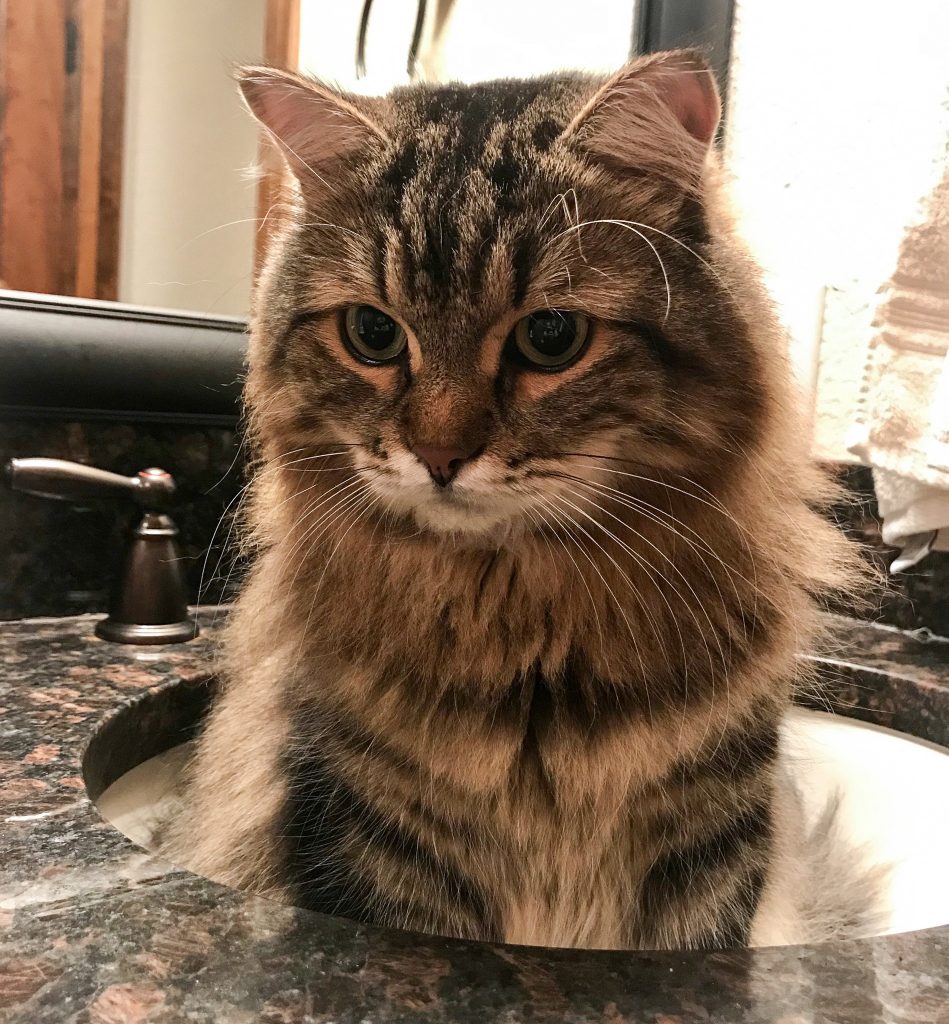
(628, 226)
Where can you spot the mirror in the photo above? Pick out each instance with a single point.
(123, 150)
(128, 163)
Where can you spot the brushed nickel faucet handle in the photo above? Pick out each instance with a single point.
(72, 481)
(150, 603)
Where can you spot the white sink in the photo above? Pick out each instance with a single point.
(894, 800)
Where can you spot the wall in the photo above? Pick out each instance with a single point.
(187, 230)
(486, 39)
(837, 116)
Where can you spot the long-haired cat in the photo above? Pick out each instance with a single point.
(536, 542)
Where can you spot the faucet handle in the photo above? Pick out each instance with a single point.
(149, 604)
(152, 489)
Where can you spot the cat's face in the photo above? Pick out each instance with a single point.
(493, 297)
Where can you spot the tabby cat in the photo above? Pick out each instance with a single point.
(536, 544)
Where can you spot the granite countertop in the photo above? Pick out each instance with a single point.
(94, 929)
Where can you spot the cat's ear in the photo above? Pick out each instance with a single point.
(658, 113)
(312, 124)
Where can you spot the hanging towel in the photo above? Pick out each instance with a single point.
(901, 425)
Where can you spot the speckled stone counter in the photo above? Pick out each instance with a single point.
(95, 930)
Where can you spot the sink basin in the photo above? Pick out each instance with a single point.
(893, 789)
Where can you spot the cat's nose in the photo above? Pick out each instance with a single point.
(442, 463)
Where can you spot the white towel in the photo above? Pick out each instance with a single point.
(901, 426)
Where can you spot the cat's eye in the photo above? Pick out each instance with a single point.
(373, 336)
(551, 339)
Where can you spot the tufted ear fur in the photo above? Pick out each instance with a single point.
(312, 124)
(659, 114)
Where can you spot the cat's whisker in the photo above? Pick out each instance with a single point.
(714, 503)
(747, 542)
(560, 199)
(685, 423)
(276, 203)
(653, 514)
(242, 445)
(726, 661)
(699, 552)
(336, 514)
(743, 533)
(293, 468)
(202, 585)
(221, 227)
(663, 518)
(234, 561)
(602, 273)
(777, 578)
(336, 496)
(562, 514)
(662, 266)
(678, 241)
(275, 468)
(576, 205)
(369, 505)
(545, 216)
(576, 221)
(650, 570)
(276, 461)
(239, 499)
(580, 575)
(674, 568)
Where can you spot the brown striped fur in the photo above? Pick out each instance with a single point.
(539, 706)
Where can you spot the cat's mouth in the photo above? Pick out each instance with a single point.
(478, 501)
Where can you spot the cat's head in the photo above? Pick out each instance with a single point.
(489, 295)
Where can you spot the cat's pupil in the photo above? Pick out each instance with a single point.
(551, 334)
(376, 330)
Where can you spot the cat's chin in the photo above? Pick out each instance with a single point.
(457, 519)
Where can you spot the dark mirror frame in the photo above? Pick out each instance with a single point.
(673, 24)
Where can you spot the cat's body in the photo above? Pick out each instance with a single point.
(535, 698)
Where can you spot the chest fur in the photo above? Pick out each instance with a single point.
(565, 900)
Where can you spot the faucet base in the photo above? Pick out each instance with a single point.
(135, 633)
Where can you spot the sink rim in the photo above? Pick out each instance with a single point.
(175, 711)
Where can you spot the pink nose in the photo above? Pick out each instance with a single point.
(442, 463)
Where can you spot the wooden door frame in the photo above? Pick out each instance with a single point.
(281, 49)
(56, 152)
(3, 31)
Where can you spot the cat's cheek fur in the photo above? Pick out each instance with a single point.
(384, 380)
(532, 385)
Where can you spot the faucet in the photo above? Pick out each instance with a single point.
(149, 604)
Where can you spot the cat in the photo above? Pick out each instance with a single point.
(536, 541)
